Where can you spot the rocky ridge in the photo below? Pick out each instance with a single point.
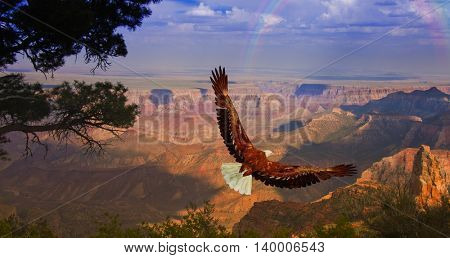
(421, 171)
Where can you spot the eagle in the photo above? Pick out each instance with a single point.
(252, 162)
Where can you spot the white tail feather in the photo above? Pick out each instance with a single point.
(235, 179)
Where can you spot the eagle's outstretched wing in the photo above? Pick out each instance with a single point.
(302, 176)
(240, 146)
(233, 134)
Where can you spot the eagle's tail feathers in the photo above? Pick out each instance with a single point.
(235, 179)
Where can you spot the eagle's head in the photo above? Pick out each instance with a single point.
(268, 153)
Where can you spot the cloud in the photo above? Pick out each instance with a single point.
(271, 20)
(183, 27)
(363, 16)
(337, 8)
(300, 35)
(327, 19)
(385, 3)
(238, 15)
(400, 32)
(201, 10)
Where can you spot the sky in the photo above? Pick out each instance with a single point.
(304, 37)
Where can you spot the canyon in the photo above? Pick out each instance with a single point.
(172, 156)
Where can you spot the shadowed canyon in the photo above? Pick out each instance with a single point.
(172, 156)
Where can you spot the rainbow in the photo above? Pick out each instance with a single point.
(435, 16)
(433, 11)
(267, 7)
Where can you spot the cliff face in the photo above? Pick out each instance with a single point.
(324, 95)
(422, 171)
(423, 104)
(351, 95)
(267, 217)
(429, 182)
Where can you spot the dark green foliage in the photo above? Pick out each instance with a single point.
(103, 103)
(110, 226)
(283, 232)
(400, 216)
(279, 232)
(396, 215)
(64, 111)
(341, 229)
(48, 31)
(198, 222)
(14, 227)
(22, 102)
(389, 213)
(437, 217)
(248, 234)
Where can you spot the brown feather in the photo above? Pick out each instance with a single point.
(240, 147)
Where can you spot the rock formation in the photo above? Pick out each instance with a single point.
(169, 171)
(428, 182)
(421, 171)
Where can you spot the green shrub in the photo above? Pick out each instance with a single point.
(342, 228)
(198, 222)
(400, 216)
(111, 227)
(14, 227)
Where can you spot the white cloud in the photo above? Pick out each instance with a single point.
(201, 10)
(271, 20)
(237, 14)
(337, 8)
(240, 15)
(400, 32)
(183, 27)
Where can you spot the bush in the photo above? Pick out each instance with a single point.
(342, 228)
(110, 227)
(400, 216)
(14, 227)
(389, 213)
(198, 222)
